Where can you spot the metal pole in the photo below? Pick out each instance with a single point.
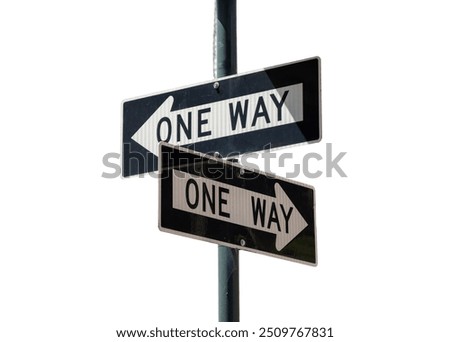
(225, 55)
(225, 63)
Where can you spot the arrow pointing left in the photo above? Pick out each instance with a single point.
(242, 114)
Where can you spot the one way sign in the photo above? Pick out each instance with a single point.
(274, 107)
(218, 201)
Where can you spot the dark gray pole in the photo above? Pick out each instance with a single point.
(225, 56)
(225, 63)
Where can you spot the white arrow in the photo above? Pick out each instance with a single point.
(210, 198)
(232, 116)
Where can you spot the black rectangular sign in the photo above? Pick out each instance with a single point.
(211, 199)
(274, 107)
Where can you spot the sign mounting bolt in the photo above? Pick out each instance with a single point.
(216, 85)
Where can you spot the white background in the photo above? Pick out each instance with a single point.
(82, 256)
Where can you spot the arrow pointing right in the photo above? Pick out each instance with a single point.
(210, 198)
